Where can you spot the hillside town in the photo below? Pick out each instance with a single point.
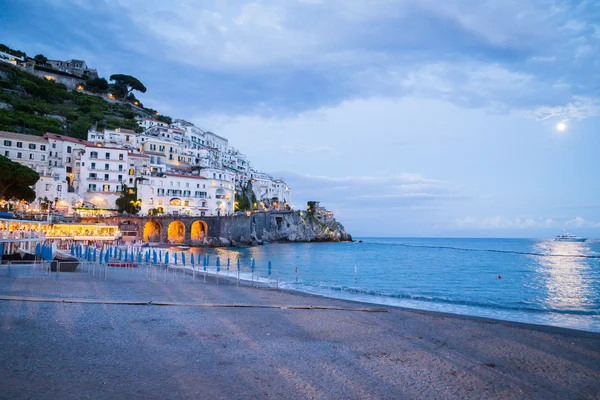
(175, 168)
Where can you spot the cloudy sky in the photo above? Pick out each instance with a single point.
(406, 117)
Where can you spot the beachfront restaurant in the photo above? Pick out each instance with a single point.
(89, 233)
(20, 234)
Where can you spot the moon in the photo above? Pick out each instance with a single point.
(561, 127)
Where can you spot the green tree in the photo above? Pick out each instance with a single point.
(97, 85)
(128, 201)
(40, 59)
(125, 84)
(15, 181)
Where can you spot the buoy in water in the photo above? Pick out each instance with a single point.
(499, 276)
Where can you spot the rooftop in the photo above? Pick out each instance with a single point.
(22, 136)
(64, 138)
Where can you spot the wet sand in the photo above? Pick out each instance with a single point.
(56, 350)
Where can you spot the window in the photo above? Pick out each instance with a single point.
(7, 143)
(120, 178)
(161, 148)
(186, 203)
(160, 202)
(106, 188)
(127, 138)
(19, 155)
(92, 187)
(69, 149)
(59, 188)
(53, 145)
(94, 154)
(107, 156)
(153, 147)
(31, 156)
(69, 169)
(106, 167)
(93, 166)
(187, 184)
(42, 147)
(121, 156)
(120, 168)
(20, 145)
(68, 159)
(32, 146)
(7, 153)
(47, 187)
(131, 172)
(105, 177)
(170, 156)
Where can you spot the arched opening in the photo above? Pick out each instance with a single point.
(176, 232)
(152, 231)
(199, 231)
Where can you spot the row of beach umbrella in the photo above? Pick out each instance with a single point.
(131, 255)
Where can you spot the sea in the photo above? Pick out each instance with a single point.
(538, 281)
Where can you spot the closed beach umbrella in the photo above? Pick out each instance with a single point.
(166, 257)
(101, 255)
(218, 264)
(72, 249)
(120, 254)
(238, 264)
(106, 258)
(175, 258)
(253, 264)
(126, 254)
(269, 268)
(160, 257)
(183, 258)
(208, 259)
(37, 249)
(192, 260)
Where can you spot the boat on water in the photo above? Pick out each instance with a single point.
(567, 237)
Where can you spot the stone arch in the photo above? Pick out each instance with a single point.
(198, 231)
(152, 231)
(176, 232)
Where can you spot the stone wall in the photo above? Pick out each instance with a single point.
(240, 229)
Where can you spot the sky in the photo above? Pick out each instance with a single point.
(404, 117)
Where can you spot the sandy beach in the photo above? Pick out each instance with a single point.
(200, 347)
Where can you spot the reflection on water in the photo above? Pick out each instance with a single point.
(566, 278)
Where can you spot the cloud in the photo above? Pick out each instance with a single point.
(499, 222)
(580, 108)
(402, 191)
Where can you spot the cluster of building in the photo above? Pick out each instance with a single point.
(174, 168)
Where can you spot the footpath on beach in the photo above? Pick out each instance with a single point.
(142, 335)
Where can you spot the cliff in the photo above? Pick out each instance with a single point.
(281, 227)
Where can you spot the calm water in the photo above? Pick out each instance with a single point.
(558, 284)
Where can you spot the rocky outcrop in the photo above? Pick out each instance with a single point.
(300, 227)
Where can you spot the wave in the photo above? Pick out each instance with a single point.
(320, 288)
(490, 250)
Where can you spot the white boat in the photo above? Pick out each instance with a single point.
(567, 237)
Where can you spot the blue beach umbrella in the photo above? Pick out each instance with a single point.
(166, 257)
(160, 256)
(120, 254)
(269, 268)
(253, 264)
(101, 255)
(175, 258)
(154, 257)
(94, 258)
(106, 258)
(218, 264)
(38, 249)
(126, 255)
(238, 264)
(192, 260)
(72, 249)
(139, 256)
(228, 262)
(208, 259)
(183, 258)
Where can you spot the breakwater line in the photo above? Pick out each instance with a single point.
(528, 253)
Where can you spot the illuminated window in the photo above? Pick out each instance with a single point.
(175, 202)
